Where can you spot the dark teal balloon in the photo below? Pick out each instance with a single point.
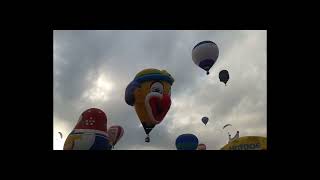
(187, 142)
(224, 76)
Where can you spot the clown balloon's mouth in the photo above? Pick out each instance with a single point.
(157, 106)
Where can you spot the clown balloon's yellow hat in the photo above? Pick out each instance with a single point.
(153, 74)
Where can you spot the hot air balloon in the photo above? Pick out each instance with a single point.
(205, 120)
(150, 94)
(60, 134)
(202, 147)
(224, 76)
(90, 133)
(115, 133)
(247, 143)
(205, 54)
(226, 127)
(187, 142)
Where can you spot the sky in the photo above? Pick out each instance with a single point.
(92, 69)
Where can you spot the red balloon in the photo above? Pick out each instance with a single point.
(202, 147)
(94, 119)
(90, 132)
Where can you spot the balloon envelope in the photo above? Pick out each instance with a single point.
(202, 147)
(205, 54)
(187, 142)
(115, 133)
(224, 76)
(205, 120)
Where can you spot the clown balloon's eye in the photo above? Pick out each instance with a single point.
(157, 87)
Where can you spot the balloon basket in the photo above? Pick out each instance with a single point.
(147, 139)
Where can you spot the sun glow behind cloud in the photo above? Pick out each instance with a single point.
(100, 91)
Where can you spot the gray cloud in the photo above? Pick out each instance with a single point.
(83, 57)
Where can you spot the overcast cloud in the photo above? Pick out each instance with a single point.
(93, 68)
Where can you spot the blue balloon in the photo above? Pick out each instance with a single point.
(187, 142)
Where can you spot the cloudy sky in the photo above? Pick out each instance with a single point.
(93, 68)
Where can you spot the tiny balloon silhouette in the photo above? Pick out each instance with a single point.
(205, 120)
(224, 76)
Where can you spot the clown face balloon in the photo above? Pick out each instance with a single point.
(150, 94)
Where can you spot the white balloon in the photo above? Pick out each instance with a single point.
(205, 50)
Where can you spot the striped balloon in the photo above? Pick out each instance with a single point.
(115, 133)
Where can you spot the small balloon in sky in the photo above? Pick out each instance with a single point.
(205, 120)
(205, 55)
(224, 76)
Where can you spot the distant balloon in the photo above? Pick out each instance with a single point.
(205, 120)
(115, 133)
(60, 134)
(202, 147)
(187, 142)
(224, 76)
(226, 126)
(205, 54)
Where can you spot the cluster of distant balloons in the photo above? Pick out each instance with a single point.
(150, 95)
(204, 55)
